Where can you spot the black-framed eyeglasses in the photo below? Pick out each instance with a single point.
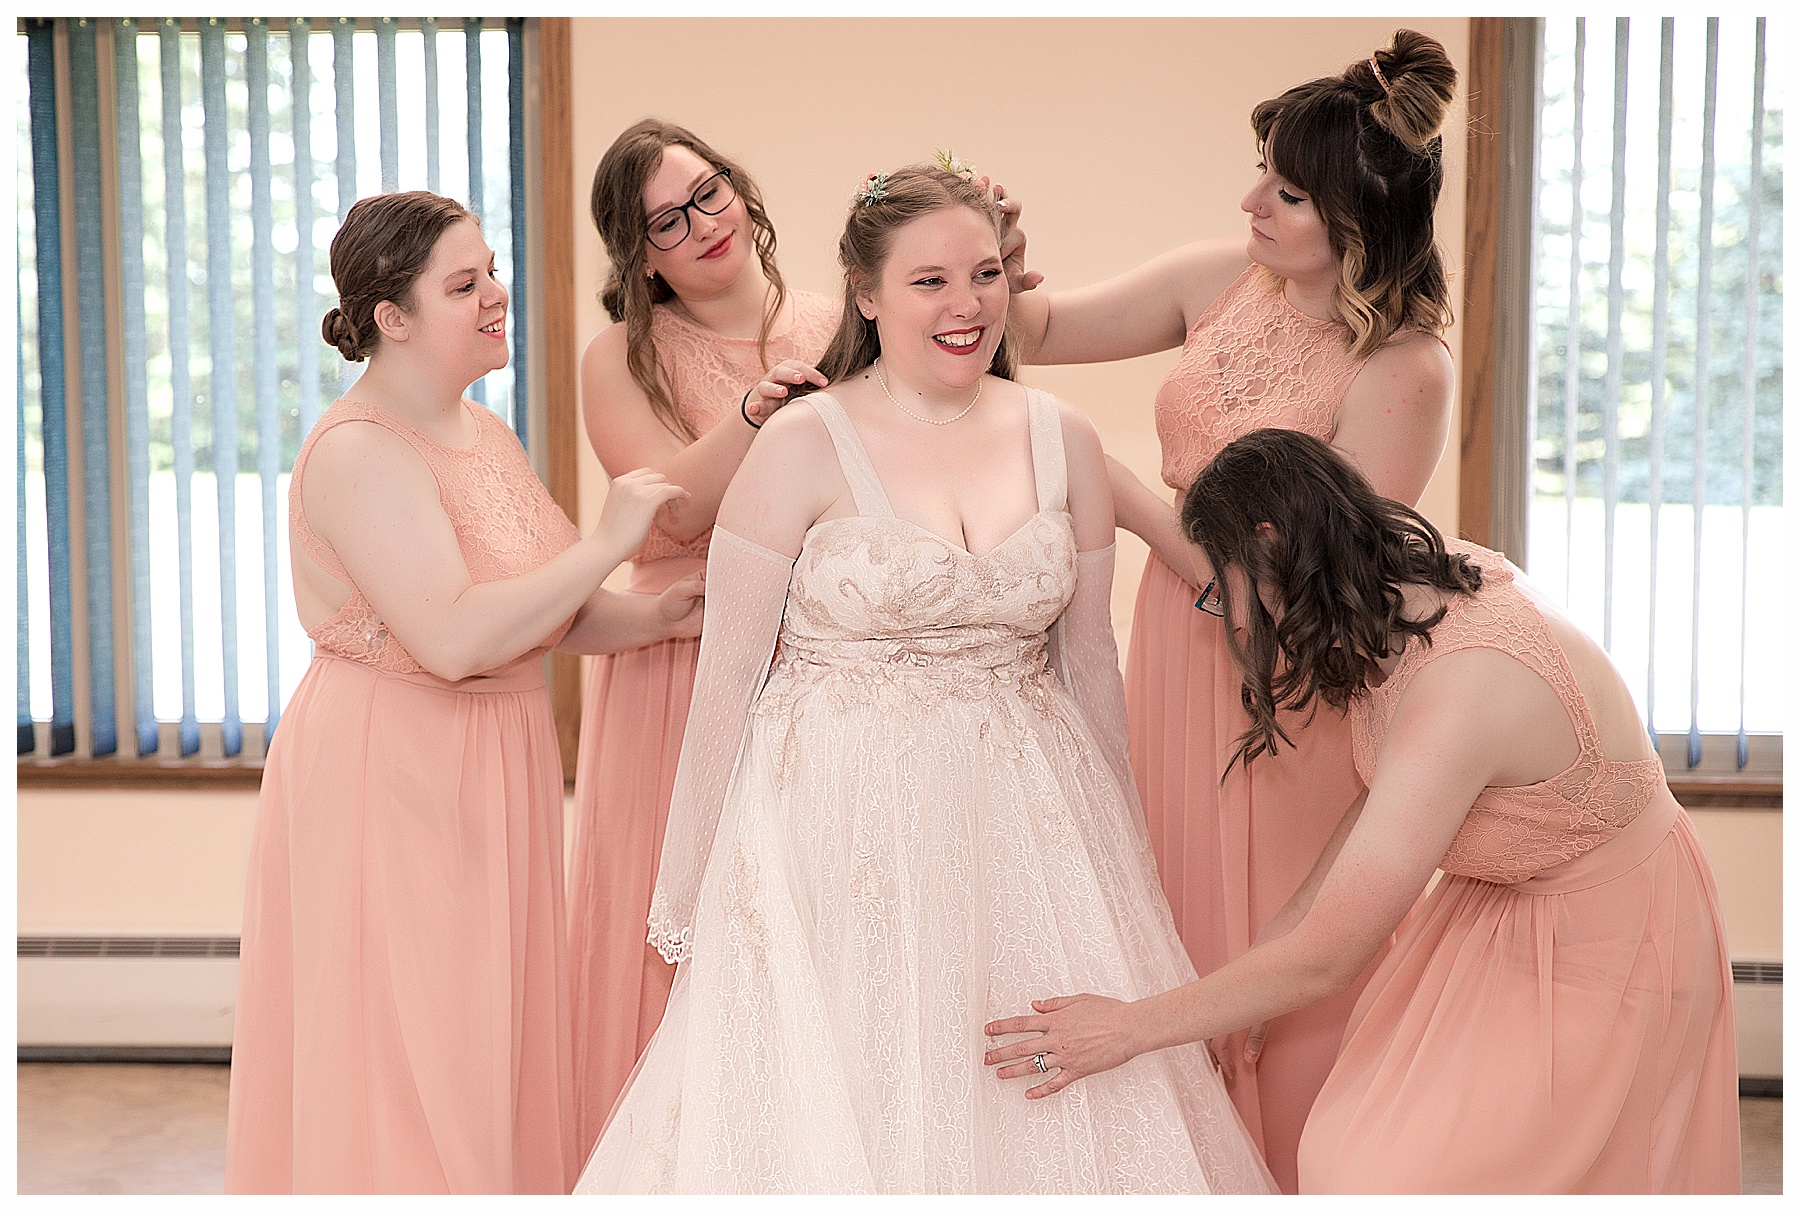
(668, 228)
(1210, 601)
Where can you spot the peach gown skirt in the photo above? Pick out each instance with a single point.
(634, 714)
(402, 1019)
(1572, 1034)
(1232, 855)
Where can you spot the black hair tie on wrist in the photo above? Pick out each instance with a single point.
(744, 410)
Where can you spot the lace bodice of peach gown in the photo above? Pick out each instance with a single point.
(1250, 362)
(1514, 833)
(504, 518)
(707, 374)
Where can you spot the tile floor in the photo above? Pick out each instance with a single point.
(160, 1129)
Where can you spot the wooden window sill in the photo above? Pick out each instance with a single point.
(108, 774)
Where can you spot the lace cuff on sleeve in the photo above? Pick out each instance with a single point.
(1085, 655)
(746, 592)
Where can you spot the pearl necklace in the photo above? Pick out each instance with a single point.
(881, 379)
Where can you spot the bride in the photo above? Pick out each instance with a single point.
(920, 815)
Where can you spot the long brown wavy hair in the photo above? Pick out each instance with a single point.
(911, 193)
(1372, 159)
(1337, 556)
(617, 204)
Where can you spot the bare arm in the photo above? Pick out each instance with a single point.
(1144, 513)
(788, 481)
(1396, 416)
(618, 622)
(372, 498)
(625, 433)
(1141, 311)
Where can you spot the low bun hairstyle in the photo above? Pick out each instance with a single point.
(1366, 146)
(911, 193)
(377, 256)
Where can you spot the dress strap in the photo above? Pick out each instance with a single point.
(1049, 464)
(859, 472)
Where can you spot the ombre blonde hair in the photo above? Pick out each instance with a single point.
(1366, 147)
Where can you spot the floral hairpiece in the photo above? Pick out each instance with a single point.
(874, 189)
(946, 160)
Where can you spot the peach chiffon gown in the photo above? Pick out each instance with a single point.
(634, 712)
(402, 1016)
(1231, 855)
(1556, 1016)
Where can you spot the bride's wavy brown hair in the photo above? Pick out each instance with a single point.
(1298, 518)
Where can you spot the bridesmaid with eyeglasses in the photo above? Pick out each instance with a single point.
(700, 314)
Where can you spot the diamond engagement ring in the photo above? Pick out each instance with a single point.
(1038, 1060)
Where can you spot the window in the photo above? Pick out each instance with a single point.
(175, 211)
(1622, 411)
(1657, 498)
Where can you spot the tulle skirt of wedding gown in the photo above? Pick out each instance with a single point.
(899, 861)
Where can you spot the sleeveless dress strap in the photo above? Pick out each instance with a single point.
(1049, 462)
(346, 410)
(859, 472)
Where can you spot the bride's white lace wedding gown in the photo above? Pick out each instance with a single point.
(921, 820)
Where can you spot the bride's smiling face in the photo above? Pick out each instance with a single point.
(940, 306)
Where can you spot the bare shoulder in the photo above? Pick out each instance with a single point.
(1415, 362)
(353, 448)
(603, 360)
(1205, 268)
(1080, 439)
(794, 444)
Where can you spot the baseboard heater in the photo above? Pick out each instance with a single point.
(142, 998)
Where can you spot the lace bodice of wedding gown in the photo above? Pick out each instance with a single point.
(1514, 833)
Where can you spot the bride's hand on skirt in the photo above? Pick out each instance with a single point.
(1076, 1037)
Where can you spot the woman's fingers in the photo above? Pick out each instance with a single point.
(1253, 1043)
(1017, 1025)
(1058, 1082)
(1011, 1052)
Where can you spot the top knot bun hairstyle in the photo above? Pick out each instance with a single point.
(882, 205)
(377, 255)
(1366, 146)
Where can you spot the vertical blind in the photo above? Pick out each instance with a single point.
(184, 372)
(1657, 486)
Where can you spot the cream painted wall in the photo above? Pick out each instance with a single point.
(1123, 138)
(1102, 138)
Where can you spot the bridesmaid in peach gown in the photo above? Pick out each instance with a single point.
(1556, 1016)
(699, 319)
(1325, 323)
(402, 1017)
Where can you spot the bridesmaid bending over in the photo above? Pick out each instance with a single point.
(402, 1015)
(1325, 323)
(700, 313)
(1557, 1015)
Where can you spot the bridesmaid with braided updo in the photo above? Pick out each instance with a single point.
(402, 1015)
(1325, 322)
(700, 313)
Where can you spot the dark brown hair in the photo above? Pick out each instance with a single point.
(910, 193)
(377, 255)
(617, 204)
(1370, 156)
(1337, 557)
